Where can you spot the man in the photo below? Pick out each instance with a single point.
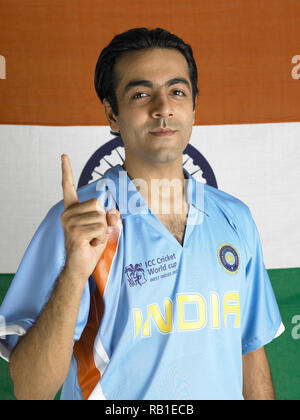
(125, 300)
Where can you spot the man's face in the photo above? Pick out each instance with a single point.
(149, 97)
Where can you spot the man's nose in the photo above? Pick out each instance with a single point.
(161, 107)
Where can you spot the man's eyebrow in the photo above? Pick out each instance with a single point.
(149, 84)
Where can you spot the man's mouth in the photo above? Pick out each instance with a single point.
(162, 132)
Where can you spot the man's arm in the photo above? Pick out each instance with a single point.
(40, 362)
(257, 378)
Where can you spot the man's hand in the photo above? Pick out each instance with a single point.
(86, 227)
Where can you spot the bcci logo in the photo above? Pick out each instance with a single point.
(135, 274)
(229, 258)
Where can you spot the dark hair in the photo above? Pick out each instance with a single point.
(137, 39)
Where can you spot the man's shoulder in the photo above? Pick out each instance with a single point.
(222, 206)
(219, 201)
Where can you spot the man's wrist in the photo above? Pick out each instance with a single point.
(72, 279)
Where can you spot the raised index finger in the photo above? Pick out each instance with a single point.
(69, 190)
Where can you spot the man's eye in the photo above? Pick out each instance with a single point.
(137, 95)
(180, 91)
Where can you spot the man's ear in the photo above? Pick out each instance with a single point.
(110, 116)
(194, 112)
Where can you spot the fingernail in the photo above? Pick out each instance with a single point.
(113, 212)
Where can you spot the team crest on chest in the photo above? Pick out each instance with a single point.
(229, 258)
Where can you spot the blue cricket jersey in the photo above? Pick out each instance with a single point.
(158, 320)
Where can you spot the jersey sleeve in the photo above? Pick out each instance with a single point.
(260, 318)
(34, 281)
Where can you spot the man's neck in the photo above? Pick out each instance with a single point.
(161, 185)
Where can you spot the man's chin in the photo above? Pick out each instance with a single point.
(163, 157)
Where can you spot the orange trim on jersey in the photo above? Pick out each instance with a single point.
(87, 372)
(102, 269)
